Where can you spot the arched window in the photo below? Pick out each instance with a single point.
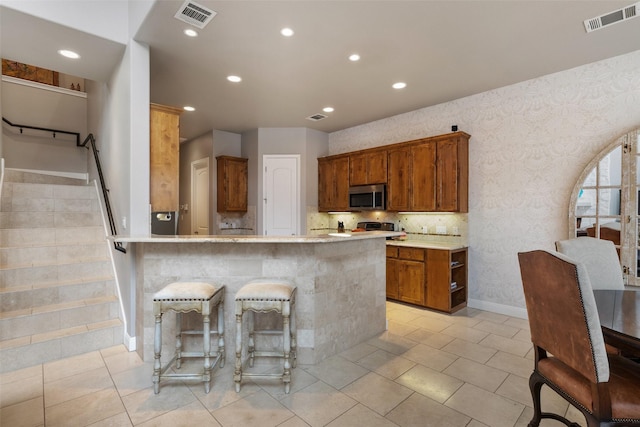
(605, 201)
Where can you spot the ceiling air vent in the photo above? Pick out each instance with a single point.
(611, 18)
(195, 14)
(317, 117)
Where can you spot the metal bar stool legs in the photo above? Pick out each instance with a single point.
(263, 296)
(183, 297)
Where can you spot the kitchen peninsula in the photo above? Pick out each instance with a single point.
(341, 297)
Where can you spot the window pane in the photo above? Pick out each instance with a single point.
(609, 201)
(586, 204)
(590, 180)
(610, 168)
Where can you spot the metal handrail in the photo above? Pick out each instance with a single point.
(54, 131)
(105, 191)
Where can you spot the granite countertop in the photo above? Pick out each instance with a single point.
(426, 244)
(319, 238)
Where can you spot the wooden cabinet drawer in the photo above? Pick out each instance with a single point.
(414, 254)
(392, 252)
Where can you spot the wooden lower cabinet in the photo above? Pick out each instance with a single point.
(432, 278)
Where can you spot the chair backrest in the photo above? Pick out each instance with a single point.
(599, 257)
(563, 317)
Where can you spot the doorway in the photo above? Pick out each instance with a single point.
(281, 195)
(200, 196)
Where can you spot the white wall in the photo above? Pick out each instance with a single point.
(305, 142)
(317, 146)
(118, 116)
(529, 143)
(37, 105)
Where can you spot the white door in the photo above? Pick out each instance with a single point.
(281, 195)
(200, 196)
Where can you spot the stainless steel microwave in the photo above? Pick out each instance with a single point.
(367, 197)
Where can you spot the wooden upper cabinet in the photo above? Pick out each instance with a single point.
(368, 168)
(412, 178)
(423, 177)
(333, 183)
(232, 184)
(429, 175)
(399, 179)
(452, 180)
(164, 152)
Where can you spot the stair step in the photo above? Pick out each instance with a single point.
(21, 191)
(46, 275)
(14, 175)
(30, 296)
(28, 237)
(58, 295)
(47, 255)
(42, 348)
(49, 219)
(47, 319)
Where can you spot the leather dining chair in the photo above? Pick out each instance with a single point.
(599, 257)
(570, 355)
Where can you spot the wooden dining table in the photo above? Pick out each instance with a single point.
(619, 312)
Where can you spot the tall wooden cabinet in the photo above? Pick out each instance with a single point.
(432, 278)
(333, 183)
(164, 160)
(232, 184)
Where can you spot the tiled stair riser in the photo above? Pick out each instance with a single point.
(57, 292)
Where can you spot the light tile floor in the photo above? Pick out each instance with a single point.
(429, 369)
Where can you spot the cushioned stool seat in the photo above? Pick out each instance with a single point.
(265, 296)
(183, 297)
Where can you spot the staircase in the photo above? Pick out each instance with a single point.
(58, 295)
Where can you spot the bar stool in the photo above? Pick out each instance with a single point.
(264, 296)
(183, 297)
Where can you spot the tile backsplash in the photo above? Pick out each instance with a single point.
(435, 227)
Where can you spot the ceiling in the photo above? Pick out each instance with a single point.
(443, 50)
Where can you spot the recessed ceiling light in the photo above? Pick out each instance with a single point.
(328, 109)
(287, 32)
(354, 57)
(234, 79)
(399, 85)
(68, 54)
(191, 33)
(188, 108)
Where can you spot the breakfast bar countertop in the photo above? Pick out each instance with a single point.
(319, 238)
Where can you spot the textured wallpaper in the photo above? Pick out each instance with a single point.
(529, 144)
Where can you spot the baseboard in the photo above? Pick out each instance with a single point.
(130, 342)
(507, 310)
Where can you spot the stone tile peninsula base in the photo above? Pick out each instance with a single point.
(341, 283)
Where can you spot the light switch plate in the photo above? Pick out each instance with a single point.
(425, 229)
(441, 229)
